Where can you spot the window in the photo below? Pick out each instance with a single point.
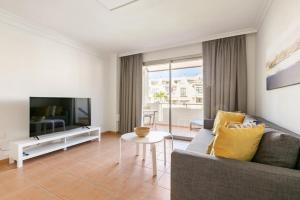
(198, 100)
(183, 92)
(199, 90)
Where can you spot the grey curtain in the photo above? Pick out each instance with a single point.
(225, 75)
(130, 92)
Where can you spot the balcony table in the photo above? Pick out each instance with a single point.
(150, 114)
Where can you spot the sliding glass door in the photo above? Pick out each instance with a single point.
(156, 96)
(173, 97)
(186, 97)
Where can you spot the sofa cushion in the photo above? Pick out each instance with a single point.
(237, 143)
(278, 149)
(243, 125)
(201, 141)
(249, 119)
(223, 118)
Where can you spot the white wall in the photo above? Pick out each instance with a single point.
(112, 94)
(188, 50)
(281, 23)
(32, 65)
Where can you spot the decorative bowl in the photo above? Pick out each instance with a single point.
(141, 131)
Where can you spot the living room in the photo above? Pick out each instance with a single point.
(161, 99)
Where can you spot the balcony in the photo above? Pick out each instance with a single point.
(182, 116)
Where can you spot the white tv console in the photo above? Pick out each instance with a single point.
(29, 148)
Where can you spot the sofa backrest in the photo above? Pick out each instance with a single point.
(278, 147)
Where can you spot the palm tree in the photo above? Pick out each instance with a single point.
(160, 96)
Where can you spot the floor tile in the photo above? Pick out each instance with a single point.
(31, 193)
(90, 171)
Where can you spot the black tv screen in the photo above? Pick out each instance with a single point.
(54, 114)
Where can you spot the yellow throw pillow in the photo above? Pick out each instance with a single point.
(237, 143)
(223, 118)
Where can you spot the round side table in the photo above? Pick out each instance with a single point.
(152, 138)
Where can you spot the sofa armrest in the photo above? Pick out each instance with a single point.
(209, 123)
(200, 176)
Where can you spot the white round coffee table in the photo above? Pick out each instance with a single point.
(152, 138)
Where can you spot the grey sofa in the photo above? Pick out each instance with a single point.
(196, 175)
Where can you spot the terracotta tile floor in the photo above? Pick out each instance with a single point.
(89, 171)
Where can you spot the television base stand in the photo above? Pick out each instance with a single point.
(37, 137)
(29, 148)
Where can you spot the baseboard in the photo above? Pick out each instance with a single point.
(5, 160)
(110, 132)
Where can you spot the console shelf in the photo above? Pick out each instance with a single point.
(29, 148)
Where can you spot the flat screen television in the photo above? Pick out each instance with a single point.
(54, 114)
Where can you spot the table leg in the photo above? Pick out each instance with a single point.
(19, 159)
(137, 149)
(154, 159)
(65, 141)
(19, 163)
(144, 151)
(165, 159)
(99, 136)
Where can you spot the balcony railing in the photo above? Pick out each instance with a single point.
(182, 105)
(182, 113)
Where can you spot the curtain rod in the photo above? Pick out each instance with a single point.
(175, 59)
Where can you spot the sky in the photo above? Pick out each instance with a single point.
(176, 73)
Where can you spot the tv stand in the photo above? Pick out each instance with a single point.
(37, 137)
(29, 148)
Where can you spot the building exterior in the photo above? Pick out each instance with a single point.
(185, 90)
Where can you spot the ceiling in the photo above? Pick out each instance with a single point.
(142, 25)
